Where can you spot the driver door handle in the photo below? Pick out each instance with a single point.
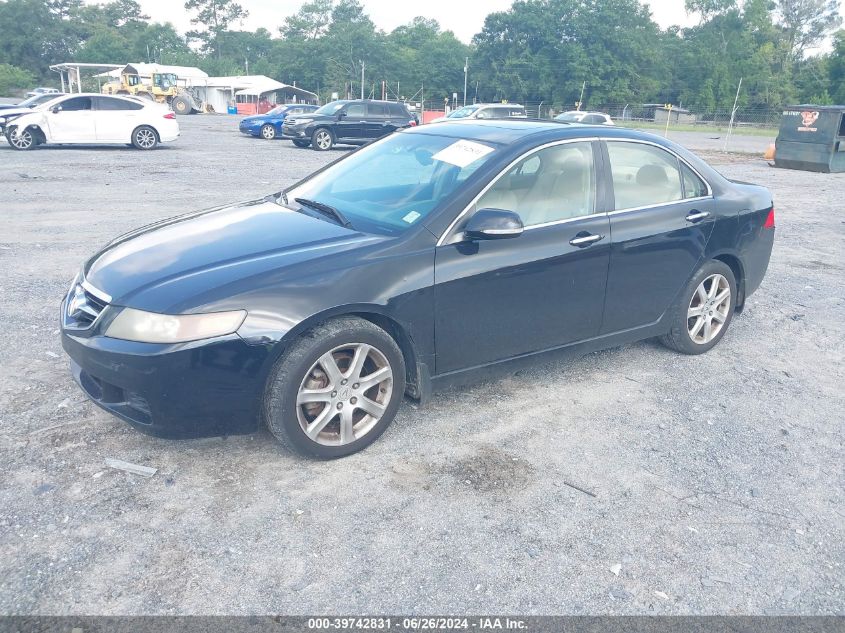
(585, 240)
(697, 216)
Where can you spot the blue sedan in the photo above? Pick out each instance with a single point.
(269, 126)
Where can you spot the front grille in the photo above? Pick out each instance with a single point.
(82, 307)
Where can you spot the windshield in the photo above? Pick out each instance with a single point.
(49, 103)
(330, 108)
(278, 109)
(393, 184)
(32, 101)
(570, 116)
(462, 113)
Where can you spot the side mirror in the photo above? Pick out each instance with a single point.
(341, 114)
(493, 224)
(56, 109)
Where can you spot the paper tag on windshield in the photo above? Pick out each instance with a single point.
(462, 153)
(412, 217)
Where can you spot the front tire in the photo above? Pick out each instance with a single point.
(704, 310)
(181, 105)
(322, 139)
(145, 138)
(268, 132)
(23, 141)
(336, 390)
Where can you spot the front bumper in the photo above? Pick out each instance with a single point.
(199, 389)
(295, 132)
(249, 130)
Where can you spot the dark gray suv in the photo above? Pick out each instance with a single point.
(347, 122)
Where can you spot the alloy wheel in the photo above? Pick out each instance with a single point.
(145, 138)
(268, 132)
(21, 139)
(708, 309)
(344, 394)
(324, 139)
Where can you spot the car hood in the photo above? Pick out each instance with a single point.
(307, 118)
(261, 118)
(181, 264)
(16, 111)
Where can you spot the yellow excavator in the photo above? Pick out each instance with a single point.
(164, 88)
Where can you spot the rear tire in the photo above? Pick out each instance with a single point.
(268, 132)
(336, 389)
(145, 137)
(299, 143)
(322, 139)
(25, 141)
(704, 310)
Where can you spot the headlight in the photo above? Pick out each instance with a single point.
(150, 327)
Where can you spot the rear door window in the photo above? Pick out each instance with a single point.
(376, 110)
(109, 104)
(643, 175)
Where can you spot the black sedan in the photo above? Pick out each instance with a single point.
(414, 262)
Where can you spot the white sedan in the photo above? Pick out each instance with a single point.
(587, 118)
(93, 119)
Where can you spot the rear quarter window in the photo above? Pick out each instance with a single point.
(694, 187)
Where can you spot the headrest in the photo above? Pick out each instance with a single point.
(652, 175)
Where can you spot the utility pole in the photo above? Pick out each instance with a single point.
(466, 68)
(733, 115)
(362, 78)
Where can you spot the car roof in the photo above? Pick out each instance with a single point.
(507, 131)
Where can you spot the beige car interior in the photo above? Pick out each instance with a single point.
(561, 188)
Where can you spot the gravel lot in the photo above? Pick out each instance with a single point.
(716, 482)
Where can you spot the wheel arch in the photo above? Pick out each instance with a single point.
(417, 374)
(35, 128)
(149, 125)
(735, 264)
(324, 126)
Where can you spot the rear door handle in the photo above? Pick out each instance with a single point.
(697, 216)
(585, 240)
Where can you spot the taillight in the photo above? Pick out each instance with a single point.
(170, 115)
(412, 123)
(770, 219)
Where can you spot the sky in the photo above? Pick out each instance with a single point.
(464, 17)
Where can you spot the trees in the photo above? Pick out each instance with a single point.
(215, 16)
(807, 22)
(542, 50)
(538, 50)
(836, 68)
(13, 78)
